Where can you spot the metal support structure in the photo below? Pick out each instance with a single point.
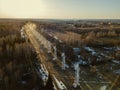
(63, 61)
(77, 75)
(49, 47)
(55, 53)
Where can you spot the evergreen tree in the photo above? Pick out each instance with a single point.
(49, 84)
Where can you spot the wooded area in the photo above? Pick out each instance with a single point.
(17, 58)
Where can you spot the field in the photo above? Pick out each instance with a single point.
(99, 52)
(24, 46)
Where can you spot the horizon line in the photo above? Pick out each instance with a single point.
(66, 18)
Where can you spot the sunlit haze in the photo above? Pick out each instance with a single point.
(60, 9)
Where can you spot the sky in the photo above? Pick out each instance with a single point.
(60, 9)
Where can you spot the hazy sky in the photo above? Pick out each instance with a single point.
(60, 9)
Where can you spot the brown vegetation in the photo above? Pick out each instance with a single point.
(17, 58)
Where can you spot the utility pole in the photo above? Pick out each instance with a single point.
(77, 76)
(55, 53)
(63, 61)
(49, 47)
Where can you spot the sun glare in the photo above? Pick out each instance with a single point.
(23, 8)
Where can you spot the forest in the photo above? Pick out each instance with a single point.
(17, 60)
